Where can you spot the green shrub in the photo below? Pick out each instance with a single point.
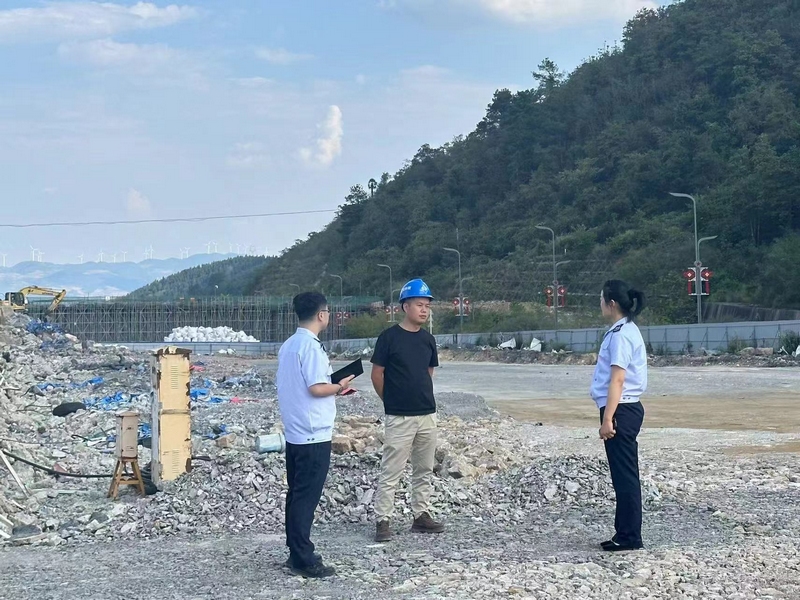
(735, 345)
(366, 326)
(790, 340)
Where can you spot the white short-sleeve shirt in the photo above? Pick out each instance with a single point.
(623, 346)
(303, 362)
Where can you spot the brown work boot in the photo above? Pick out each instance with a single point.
(425, 524)
(383, 532)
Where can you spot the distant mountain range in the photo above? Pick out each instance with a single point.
(98, 279)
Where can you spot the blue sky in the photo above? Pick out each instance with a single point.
(119, 110)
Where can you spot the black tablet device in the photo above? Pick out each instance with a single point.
(354, 368)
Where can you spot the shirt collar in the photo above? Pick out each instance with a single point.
(622, 321)
(307, 332)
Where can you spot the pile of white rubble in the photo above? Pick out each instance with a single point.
(208, 334)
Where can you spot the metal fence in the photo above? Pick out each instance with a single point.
(665, 339)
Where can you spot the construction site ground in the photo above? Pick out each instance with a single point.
(722, 518)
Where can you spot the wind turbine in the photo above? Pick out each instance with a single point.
(114, 258)
(208, 247)
(151, 251)
(187, 251)
(41, 254)
(215, 247)
(102, 254)
(80, 258)
(124, 255)
(4, 259)
(33, 253)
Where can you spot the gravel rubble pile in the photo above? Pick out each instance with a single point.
(523, 513)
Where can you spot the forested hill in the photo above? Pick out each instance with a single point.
(700, 97)
(231, 277)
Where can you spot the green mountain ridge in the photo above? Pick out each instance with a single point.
(230, 277)
(701, 98)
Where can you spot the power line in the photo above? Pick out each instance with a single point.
(173, 220)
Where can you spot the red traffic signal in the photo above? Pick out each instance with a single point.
(706, 274)
(690, 274)
(548, 291)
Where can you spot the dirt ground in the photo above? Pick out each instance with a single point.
(721, 398)
(718, 439)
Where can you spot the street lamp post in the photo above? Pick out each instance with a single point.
(697, 263)
(341, 285)
(391, 292)
(460, 291)
(555, 273)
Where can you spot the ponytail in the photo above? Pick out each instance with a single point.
(630, 301)
(637, 302)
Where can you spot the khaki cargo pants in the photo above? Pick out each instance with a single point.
(404, 437)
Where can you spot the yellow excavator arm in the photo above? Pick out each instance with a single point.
(19, 300)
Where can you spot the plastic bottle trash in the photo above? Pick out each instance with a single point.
(273, 442)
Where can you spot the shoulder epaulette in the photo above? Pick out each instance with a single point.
(615, 330)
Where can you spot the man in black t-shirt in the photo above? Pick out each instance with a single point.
(402, 370)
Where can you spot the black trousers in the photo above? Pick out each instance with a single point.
(623, 460)
(306, 470)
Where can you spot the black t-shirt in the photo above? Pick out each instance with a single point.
(407, 384)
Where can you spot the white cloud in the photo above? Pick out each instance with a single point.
(281, 56)
(253, 82)
(361, 79)
(248, 155)
(137, 203)
(329, 142)
(108, 53)
(543, 11)
(71, 20)
(156, 63)
(529, 12)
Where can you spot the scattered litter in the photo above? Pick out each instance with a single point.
(116, 400)
(67, 408)
(48, 386)
(39, 327)
(216, 431)
(509, 345)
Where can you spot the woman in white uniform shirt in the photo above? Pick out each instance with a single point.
(620, 378)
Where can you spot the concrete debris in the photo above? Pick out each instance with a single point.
(498, 484)
(509, 344)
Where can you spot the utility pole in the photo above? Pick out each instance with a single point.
(555, 274)
(698, 266)
(391, 293)
(460, 291)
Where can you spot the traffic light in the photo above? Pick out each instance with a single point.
(705, 275)
(562, 296)
(692, 282)
(690, 275)
(548, 294)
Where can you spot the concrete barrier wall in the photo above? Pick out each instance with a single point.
(664, 339)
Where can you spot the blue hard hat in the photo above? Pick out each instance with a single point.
(416, 288)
